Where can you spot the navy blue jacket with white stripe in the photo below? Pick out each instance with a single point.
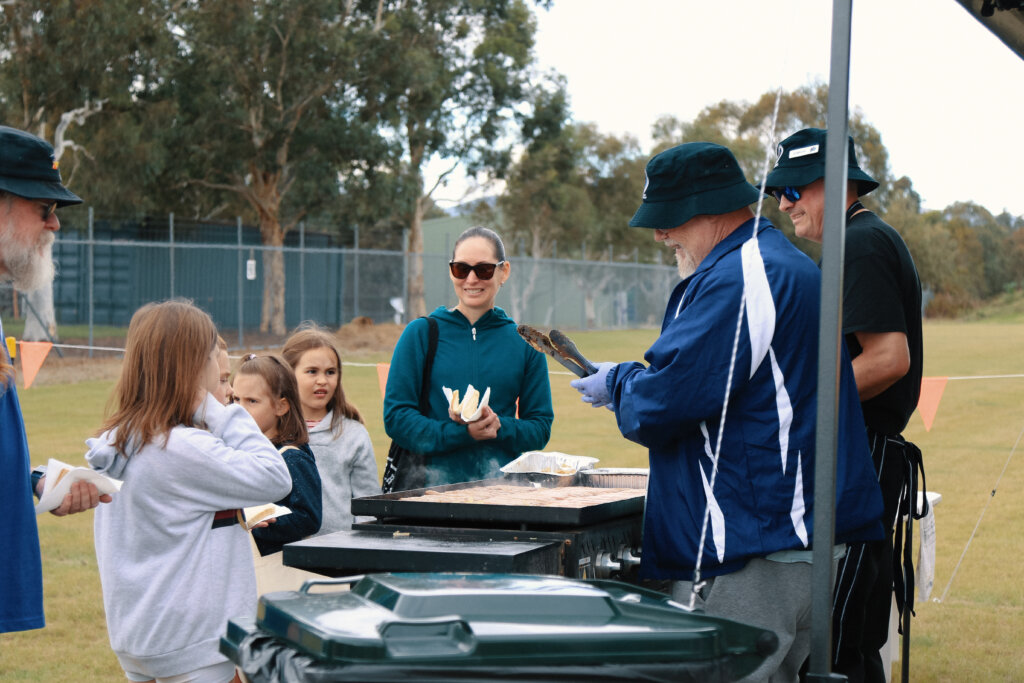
(762, 498)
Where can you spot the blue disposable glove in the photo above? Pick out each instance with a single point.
(595, 387)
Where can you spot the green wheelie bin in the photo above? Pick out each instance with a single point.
(487, 627)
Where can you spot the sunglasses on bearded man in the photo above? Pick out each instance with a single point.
(46, 208)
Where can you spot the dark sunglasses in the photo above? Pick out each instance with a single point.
(484, 271)
(790, 193)
(48, 208)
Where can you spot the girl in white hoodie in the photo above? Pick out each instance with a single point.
(174, 563)
(340, 442)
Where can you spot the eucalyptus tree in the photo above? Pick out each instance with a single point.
(444, 77)
(570, 194)
(69, 73)
(747, 129)
(267, 115)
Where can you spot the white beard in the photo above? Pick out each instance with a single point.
(685, 263)
(28, 267)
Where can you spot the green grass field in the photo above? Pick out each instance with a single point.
(973, 635)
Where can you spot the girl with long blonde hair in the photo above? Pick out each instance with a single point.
(174, 563)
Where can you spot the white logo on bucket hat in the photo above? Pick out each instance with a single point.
(803, 151)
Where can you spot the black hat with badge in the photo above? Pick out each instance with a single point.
(28, 168)
(801, 161)
(689, 180)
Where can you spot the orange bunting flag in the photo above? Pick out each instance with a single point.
(382, 376)
(32, 356)
(931, 394)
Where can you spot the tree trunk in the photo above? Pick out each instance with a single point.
(589, 309)
(273, 292)
(414, 287)
(523, 290)
(272, 235)
(40, 303)
(592, 281)
(417, 300)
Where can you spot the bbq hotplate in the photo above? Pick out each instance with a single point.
(561, 532)
(417, 504)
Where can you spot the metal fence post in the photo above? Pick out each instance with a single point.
(241, 282)
(554, 283)
(90, 265)
(302, 270)
(583, 301)
(405, 273)
(355, 274)
(170, 250)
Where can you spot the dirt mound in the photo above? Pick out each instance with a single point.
(362, 334)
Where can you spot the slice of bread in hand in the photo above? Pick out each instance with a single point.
(251, 516)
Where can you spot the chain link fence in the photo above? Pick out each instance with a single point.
(109, 268)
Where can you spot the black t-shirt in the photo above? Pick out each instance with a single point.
(882, 293)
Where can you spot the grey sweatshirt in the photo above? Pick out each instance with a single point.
(347, 470)
(171, 580)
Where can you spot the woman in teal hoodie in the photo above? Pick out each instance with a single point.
(477, 344)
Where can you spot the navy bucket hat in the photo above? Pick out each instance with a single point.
(801, 161)
(28, 168)
(689, 180)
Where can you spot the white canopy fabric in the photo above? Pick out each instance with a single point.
(1005, 19)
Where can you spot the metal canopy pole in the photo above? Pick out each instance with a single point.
(830, 346)
(241, 282)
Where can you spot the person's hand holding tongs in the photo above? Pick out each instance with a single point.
(592, 383)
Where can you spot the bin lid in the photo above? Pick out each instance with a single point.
(496, 619)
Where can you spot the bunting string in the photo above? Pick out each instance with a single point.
(33, 354)
(991, 495)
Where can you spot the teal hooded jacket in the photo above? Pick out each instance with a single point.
(489, 353)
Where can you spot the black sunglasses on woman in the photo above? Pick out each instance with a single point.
(484, 271)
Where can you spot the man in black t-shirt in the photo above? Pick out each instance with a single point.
(882, 328)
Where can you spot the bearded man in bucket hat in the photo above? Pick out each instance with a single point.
(30, 192)
(728, 395)
(882, 328)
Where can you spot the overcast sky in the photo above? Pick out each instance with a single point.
(945, 93)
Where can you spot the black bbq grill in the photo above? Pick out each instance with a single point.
(408, 505)
(600, 540)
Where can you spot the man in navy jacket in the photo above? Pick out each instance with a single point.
(30, 193)
(726, 405)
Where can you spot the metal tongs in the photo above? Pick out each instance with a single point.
(559, 347)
